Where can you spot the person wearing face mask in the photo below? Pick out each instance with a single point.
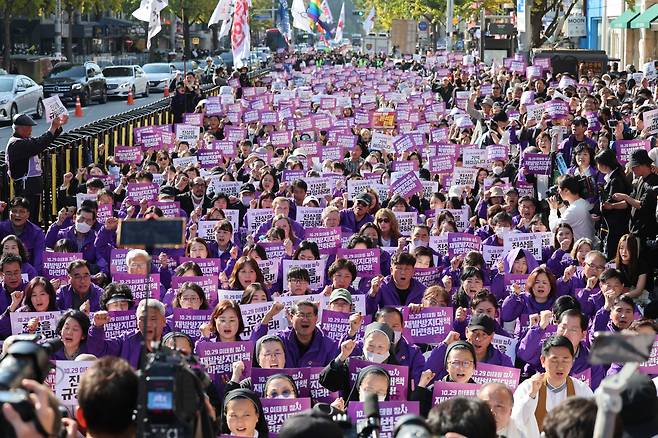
(406, 353)
(81, 233)
(378, 348)
(80, 293)
(502, 223)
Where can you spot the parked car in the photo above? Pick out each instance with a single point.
(20, 94)
(159, 75)
(121, 79)
(69, 81)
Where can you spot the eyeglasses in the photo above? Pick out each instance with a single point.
(193, 299)
(383, 220)
(597, 267)
(305, 315)
(297, 281)
(461, 363)
(81, 276)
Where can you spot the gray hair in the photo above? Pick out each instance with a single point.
(134, 253)
(151, 303)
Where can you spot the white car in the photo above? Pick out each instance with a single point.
(159, 75)
(122, 79)
(20, 94)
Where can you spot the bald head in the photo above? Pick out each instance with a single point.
(500, 400)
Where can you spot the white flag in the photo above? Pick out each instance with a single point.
(226, 28)
(222, 12)
(240, 39)
(326, 16)
(299, 16)
(341, 23)
(149, 10)
(369, 22)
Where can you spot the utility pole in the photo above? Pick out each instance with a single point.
(604, 26)
(450, 5)
(483, 29)
(58, 29)
(172, 31)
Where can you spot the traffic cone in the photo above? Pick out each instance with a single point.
(78, 107)
(166, 90)
(131, 99)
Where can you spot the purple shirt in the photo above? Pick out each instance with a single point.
(436, 361)
(88, 248)
(348, 222)
(320, 352)
(297, 229)
(32, 237)
(388, 295)
(127, 346)
(65, 297)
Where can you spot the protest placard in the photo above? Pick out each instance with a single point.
(55, 264)
(53, 107)
(487, 373)
(210, 267)
(67, 382)
(327, 239)
(189, 321)
(527, 241)
(537, 164)
(430, 325)
(277, 411)
(367, 261)
(252, 315)
(208, 283)
(407, 184)
(121, 322)
(462, 243)
(218, 357)
(140, 285)
(315, 269)
(446, 390)
(258, 216)
(46, 327)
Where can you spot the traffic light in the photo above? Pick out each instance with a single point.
(358, 13)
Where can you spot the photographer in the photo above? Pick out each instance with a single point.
(576, 213)
(642, 199)
(48, 417)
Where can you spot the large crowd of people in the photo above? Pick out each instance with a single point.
(447, 235)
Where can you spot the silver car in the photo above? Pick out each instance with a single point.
(20, 94)
(159, 75)
(122, 79)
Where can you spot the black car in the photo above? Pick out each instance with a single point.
(69, 81)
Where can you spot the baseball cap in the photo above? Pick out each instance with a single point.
(23, 120)
(363, 197)
(482, 322)
(340, 294)
(247, 188)
(168, 191)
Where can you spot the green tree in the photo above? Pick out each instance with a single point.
(14, 8)
(190, 12)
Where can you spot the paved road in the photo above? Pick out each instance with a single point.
(92, 112)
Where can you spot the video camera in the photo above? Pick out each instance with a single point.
(171, 400)
(24, 359)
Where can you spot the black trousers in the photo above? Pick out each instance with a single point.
(31, 189)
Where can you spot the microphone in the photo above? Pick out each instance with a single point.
(372, 426)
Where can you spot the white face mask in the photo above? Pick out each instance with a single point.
(500, 231)
(82, 227)
(418, 243)
(497, 170)
(362, 397)
(376, 357)
(397, 336)
(246, 200)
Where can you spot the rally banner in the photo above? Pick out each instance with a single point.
(46, 327)
(140, 285)
(55, 264)
(389, 411)
(277, 411)
(399, 376)
(446, 390)
(207, 282)
(252, 315)
(462, 243)
(211, 267)
(67, 382)
(487, 373)
(121, 323)
(336, 325)
(189, 321)
(218, 357)
(367, 261)
(430, 325)
(315, 269)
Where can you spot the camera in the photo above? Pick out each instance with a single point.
(171, 401)
(25, 359)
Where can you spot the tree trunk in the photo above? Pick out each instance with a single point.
(186, 38)
(537, 25)
(215, 34)
(7, 38)
(69, 40)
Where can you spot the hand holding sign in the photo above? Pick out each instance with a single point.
(425, 378)
(346, 348)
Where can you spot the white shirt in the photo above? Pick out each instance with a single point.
(511, 430)
(577, 215)
(524, 406)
